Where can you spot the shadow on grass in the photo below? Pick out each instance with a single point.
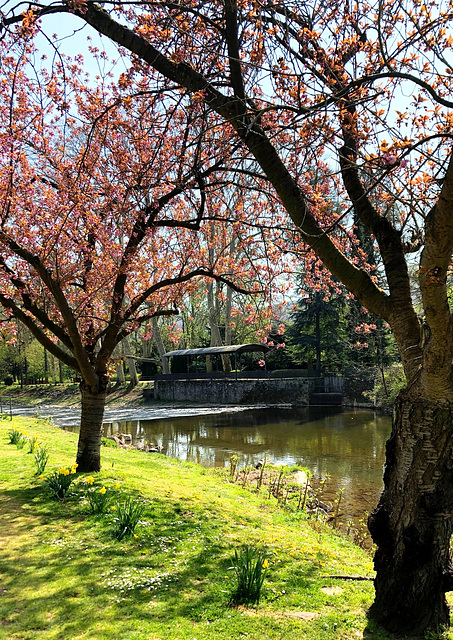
(68, 572)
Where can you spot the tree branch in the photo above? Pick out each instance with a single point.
(356, 280)
(38, 333)
(78, 348)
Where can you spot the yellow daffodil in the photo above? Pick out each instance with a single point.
(89, 480)
(135, 536)
(117, 485)
(41, 477)
(103, 490)
(265, 563)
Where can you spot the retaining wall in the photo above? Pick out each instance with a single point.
(288, 390)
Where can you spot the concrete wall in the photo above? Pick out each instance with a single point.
(235, 392)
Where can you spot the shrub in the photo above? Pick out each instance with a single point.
(105, 442)
(250, 567)
(388, 385)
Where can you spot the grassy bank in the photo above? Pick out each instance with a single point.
(68, 394)
(64, 575)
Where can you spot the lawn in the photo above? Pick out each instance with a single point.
(64, 574)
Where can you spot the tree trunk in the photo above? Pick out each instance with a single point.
(318, 339)
(160, 345)
(216, 338)
(119, 369)
(412, 523)
(228, 309)
(130, 362)
(89, 448)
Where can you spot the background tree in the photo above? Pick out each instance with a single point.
(317, 335)
(295, 85)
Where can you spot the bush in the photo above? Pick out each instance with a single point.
(8, 381)
(105, 442)
(359, 384)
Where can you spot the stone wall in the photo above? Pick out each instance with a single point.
(287, 390)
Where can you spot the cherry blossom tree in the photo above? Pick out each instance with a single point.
(358, 93)
(103, 201)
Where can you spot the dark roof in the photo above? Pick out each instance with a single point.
(206, 351)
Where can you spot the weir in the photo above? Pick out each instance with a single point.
(231, 391)
(300, 387)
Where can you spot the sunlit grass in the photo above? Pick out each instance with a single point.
(65, 576)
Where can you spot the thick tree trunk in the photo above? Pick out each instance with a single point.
(412, 524)
(89, 448)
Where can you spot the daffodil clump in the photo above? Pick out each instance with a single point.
(127, 517)
(17, 437)
(41, 457)
(98, 499)
(250, 568)
(60, 481)
(32, 443)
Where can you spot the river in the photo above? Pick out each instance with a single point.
(348, 446)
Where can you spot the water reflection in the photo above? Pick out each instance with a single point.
(349, 446)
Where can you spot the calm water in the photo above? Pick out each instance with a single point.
(349, 446)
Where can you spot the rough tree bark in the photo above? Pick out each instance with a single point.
(89, 446)
(412, 524)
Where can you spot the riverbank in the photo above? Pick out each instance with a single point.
(65, 576)
(69, 394)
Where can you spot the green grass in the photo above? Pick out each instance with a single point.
(64, 575)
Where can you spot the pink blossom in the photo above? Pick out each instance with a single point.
(389, 159)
